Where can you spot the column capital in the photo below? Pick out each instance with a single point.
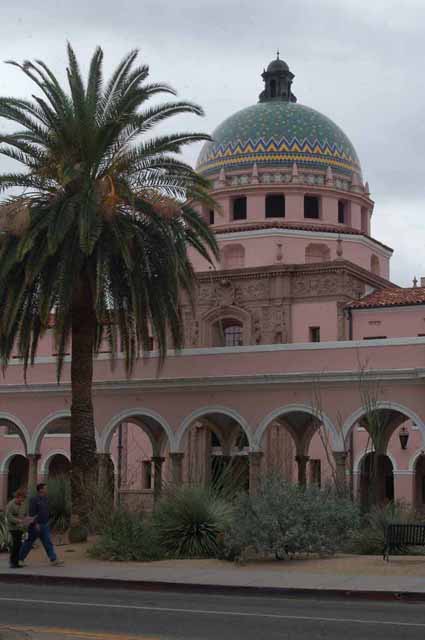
(176, 455)
(158, 459)
(340, 456)
(256, 455)
(33, 456)
(302, 458)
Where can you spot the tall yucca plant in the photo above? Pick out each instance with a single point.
(96, 227)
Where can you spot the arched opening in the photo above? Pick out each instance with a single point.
(317, 252)
(58, 465)
(233, 256)
(227, 332)
(17, 475)
(139, 444)
(298, 446)
(216, 451)
(273, 88)
(376, 480)
(374, 265)
(420, 484)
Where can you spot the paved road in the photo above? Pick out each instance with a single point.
(95, 613)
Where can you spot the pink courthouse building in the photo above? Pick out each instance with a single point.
(298, 338)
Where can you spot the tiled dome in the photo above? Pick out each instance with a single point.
(277, 133)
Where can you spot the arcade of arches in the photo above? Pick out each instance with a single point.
(138, 454)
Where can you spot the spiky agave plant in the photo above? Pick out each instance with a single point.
(95, 241)
(191, 520)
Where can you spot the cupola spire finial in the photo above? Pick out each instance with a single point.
(278, 81)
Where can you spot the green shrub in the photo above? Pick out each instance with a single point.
(4, 534)
(59, 491)
(285, 518)
(127, 537)
(369, 539)
(190, 522)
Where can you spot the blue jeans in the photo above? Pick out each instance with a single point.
(42, 531)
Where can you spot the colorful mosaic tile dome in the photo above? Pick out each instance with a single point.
(277, 133)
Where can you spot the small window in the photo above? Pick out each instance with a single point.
(239, 208)
(211, 216)
(342, 206)
(233, 335)
(227, 332)
(314, 334)
(275, 206)
(374, 337)
(311, 207)
(215, 441)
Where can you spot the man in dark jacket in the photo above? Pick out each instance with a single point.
(39, 510)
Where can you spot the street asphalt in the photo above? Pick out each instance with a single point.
(120, 613)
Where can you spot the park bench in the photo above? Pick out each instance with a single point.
(399, 536)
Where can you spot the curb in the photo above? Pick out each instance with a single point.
(183, 587)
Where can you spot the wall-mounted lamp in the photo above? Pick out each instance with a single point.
(404, 437)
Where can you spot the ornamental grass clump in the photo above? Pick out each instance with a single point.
(285, 519)
(127, 537)
(369, 539)
(59, 492)
(190, 522)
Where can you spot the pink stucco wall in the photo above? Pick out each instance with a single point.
(390, 322)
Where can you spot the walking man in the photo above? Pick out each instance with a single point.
(39, 528)
(17, 523)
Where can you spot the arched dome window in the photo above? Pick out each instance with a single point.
(374, 265)
(316, 252)
(233, 256)
(228, 332)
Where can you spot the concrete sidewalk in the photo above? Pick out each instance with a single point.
(356, 574)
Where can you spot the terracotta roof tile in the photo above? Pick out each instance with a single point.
(390, 297)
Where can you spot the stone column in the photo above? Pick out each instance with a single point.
(255, 458)
(33, 459)
(340, 470)
(302, 461)
(4, 476)
(176, 460)
(158, 461)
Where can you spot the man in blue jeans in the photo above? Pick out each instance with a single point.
(39, 510)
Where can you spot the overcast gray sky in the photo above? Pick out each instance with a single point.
(358, 61)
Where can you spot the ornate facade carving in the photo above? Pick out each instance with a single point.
(262, 301)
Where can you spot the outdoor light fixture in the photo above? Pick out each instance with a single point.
(404, 437)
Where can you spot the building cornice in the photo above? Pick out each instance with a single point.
(206, 382)
(358, 238)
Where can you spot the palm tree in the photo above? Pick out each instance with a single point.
(95, 228)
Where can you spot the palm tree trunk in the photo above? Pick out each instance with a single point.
(83, 441)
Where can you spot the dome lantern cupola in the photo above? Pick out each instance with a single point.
(278, 81)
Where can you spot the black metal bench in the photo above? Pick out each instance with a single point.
(399, 536)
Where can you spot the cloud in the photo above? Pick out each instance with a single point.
(357, 61)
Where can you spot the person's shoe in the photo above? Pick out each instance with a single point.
(22, 564)
(57, 563)
(15, 566)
